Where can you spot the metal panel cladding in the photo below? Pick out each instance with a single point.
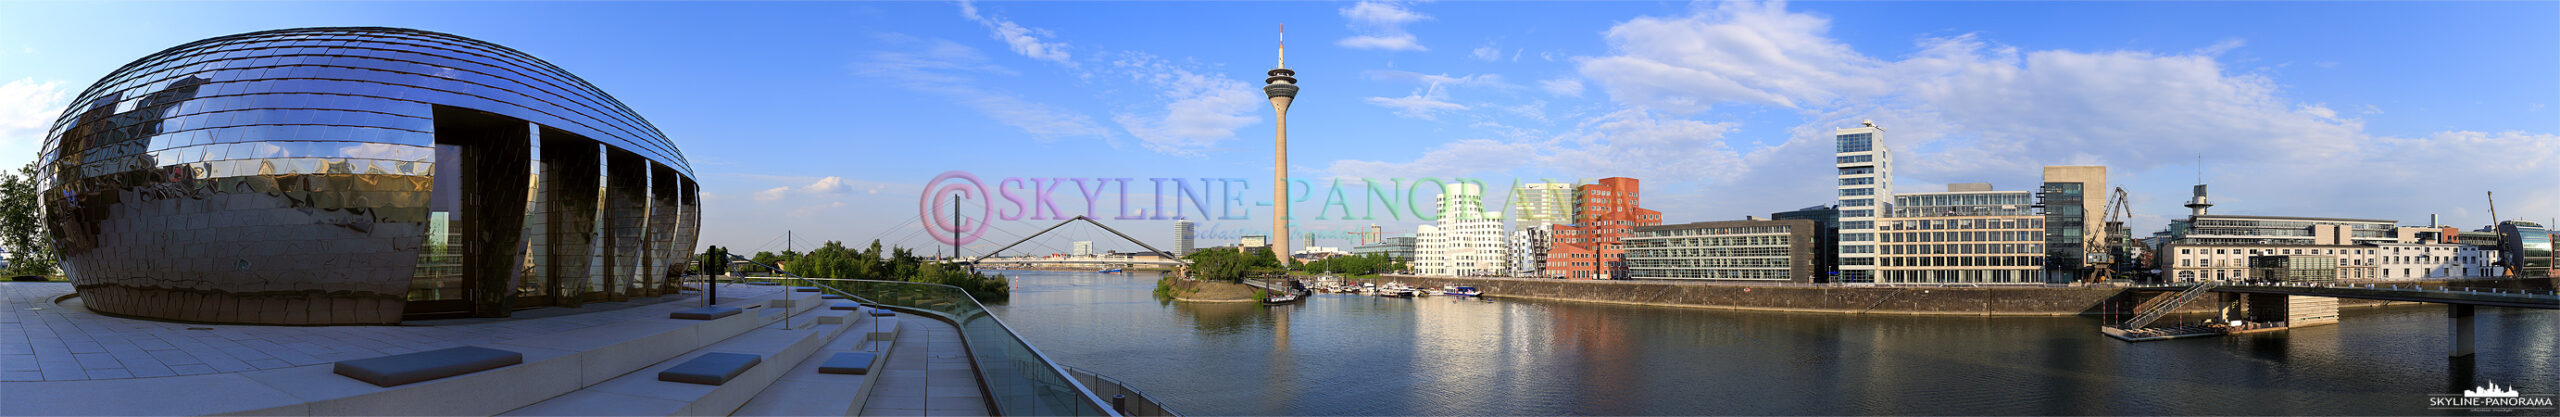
(288, 176)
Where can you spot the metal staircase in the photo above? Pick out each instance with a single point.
(2162, 309)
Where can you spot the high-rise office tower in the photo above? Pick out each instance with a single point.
(1182, 238)
(1866, 193)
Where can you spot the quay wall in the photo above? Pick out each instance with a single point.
(1965, 301)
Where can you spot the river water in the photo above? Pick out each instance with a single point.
(1364, 355)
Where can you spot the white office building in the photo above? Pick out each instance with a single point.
(2427, 260)
(1465, 241)
(1866, 194)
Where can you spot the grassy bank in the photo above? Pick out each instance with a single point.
(1179, 289)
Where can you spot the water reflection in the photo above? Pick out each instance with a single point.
(1360, 355)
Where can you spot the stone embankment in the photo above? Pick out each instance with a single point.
(1966, 301)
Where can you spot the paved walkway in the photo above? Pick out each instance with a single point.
(44, 341)
(928, 374)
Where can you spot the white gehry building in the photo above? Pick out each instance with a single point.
(1465, 240)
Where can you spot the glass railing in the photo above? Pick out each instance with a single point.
(1020, 381)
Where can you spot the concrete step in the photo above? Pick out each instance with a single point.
(639, 392)
(804, 392)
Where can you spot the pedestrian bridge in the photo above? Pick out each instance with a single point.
(2382, 291)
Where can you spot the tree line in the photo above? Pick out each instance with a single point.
(834, 260)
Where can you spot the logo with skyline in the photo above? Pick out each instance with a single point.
(2489, 396)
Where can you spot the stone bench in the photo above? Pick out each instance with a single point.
(845, 305)
(853, 363)
(805, 289)
(831, 297)
(430, 365)
(704, 313)
(713, 368)
(882, 312)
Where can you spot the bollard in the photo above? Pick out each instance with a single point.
(1120, 403)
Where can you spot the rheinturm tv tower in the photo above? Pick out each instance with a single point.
(1282, 88)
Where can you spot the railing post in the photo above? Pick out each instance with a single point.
(1120, 403)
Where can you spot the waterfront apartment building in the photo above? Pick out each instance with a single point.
(2191, 262)
(2428, 260)
(2075, 203)
(1536, 208)
(1465, 241)
(1970, 234)
(1744, 250)
(1527, 247)
(1081, 248)
(1603, 213)
(1254, 241)
(1865, 191)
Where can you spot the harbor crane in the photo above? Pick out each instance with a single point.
(2100, 260)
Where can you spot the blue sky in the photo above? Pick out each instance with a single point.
(828, 118)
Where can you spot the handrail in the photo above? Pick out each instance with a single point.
(805, 279)
(982, 352)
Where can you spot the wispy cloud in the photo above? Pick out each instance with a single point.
(950, 69)
(1028, 41)
(1486, 53)
(830, 185)
(1200, 109)
(1380, 25)
(1562, 87)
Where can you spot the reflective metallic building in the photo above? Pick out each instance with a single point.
(359, 176)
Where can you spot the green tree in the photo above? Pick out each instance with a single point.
(22, 228)
(1229, 264)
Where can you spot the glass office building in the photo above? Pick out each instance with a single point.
(359, 176)
(1975, 236)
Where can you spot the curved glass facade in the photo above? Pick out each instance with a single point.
(359, 176)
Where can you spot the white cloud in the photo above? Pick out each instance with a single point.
(1424, 103)
(1486, 53)
(1738, 52)
(951, 69)
(1200, 109)
(1636, 142)
(1962, 108)
(1030, 42)
(827, 185)
(1380, 25)
(1562, 87)
(771, 194)
(28, 108)
(1988, 102)
(1449, 160)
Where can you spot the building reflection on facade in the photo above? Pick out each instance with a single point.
(359, 176)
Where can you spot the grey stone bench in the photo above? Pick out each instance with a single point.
(845, 305)
(713, 368)
(830, 297)
(804, 289)
(856, 363)
(882, 312)
(703, 313)
(430, 365)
